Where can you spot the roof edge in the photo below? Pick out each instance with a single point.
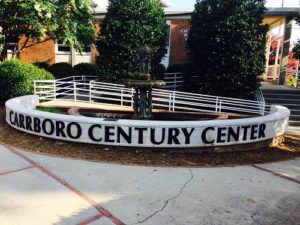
(271, 11)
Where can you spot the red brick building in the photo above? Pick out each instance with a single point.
(280, 39)
(52, 52)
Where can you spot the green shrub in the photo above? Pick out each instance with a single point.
(17, 78)
(174, 68)
(42, 65)
(62, 70)
(158, 71)
(49, 109)
(85, 69)
(128, 25)
(227, 44)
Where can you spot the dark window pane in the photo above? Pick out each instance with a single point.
(11, 46)
(63, 48)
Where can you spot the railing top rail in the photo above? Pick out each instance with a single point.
(77, 76)
(173, 73)
(176, 99)
(99, 82)
(43, 81)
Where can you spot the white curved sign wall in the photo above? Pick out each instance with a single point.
(21, 114)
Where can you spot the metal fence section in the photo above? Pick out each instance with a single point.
(88, 90)
(65, 88)
(264, 108)
(173, 81)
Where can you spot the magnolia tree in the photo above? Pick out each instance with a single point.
(127, 26)
(28, 22)
(227, 47)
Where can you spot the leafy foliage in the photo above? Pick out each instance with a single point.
(16, 78)
(42, 65)
(85, 69)
(61, 70)
(175, 68)
(127, 26)
(296, 49)
(227, 47)
(49, 109)
(34, 21)
(158, 71)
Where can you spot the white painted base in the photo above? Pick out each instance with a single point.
(21, 114)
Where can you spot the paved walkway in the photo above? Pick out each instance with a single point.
(41, 190)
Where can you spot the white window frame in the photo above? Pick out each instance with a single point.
(62, 52)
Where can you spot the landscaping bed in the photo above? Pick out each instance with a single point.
(289, 149)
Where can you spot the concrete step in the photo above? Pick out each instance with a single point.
(294, 123)
(281, 91)
(289, 98)
(295, 130)
(280, 95)
(295, 117)
(289, 106)
(295, 111)
(282, 101)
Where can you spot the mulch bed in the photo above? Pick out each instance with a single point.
(287, 150)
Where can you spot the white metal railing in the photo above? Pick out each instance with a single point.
(264, 108)
(93, 91)
(173, 81)
(81, 78)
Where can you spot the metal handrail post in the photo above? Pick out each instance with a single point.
(264, 108)
(84, 81)
(170, 102)
(132, 97)
(220, 106)
(34, 89)
(54, 89)
(121, 96)
(90, 91)
(174, 98)
(175, 81)
(217, 104)
(75, 97)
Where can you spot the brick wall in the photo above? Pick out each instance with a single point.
(95, 53)
(42, 52)
(45, 52)
(179, 32)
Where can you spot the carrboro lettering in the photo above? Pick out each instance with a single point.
(74, 130)
(99, 133)
(47, 126)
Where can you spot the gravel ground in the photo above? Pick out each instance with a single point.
(287, 150)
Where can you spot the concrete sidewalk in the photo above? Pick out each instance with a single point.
(41, 190)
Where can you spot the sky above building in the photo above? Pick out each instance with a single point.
(189, 4)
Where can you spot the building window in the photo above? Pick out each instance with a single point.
(67, 49)
(63, 48)
(11, 47)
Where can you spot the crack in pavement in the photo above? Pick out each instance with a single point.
(168, 200)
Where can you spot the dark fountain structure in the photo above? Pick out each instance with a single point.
(143, 86)
(142, 99)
